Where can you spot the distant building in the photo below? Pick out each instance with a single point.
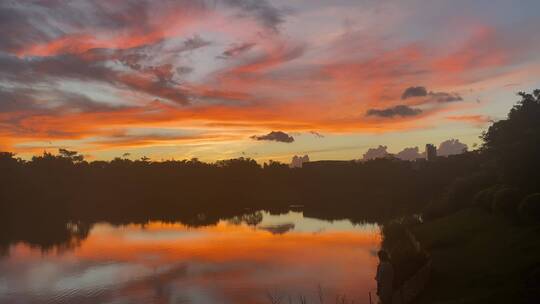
(298, 161)
(431, 152)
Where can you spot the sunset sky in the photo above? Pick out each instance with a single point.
(269, 79)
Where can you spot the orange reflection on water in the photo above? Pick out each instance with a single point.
(226, 263)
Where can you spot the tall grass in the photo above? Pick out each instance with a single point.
(320, 298)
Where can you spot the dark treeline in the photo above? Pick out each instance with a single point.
(42, 195)
(62, 184)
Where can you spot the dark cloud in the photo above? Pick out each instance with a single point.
(27, 23)
(184, 70)
(236, 49)
(13, 101)
(136, 57)
(442, 97)
(51, 102)
(23, 103)
(69, 66)
(275, 136)
(254, 66)
(193, 43)
(414, 92)
(316, 134)
(103, 66)
(75, 23)
(18, 29)
(42, 69)
(399, 110)
(261, 10)
(438, 97)
(79, 67)
(278, 228)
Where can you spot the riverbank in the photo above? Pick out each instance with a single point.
(480, 258)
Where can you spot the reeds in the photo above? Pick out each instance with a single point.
(277, 298)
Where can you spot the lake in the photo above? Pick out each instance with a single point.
(257, 258)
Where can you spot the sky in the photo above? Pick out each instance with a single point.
(266, 79)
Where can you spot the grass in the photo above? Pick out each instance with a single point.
(322, 298)
(479, 258)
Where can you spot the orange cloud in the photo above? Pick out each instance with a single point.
(478, 120)
(168, 25)
(479, 51)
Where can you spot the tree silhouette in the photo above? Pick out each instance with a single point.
(74, 156)
(514, 143)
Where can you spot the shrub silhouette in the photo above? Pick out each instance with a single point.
(484, 198)
(506, 202)
(460, 194)
(405, 252)
(514, 143)
(530, 207)
(437, 208)
(509, 155)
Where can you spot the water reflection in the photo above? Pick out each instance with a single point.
(238, 260)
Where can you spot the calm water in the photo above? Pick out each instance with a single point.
(231, 262)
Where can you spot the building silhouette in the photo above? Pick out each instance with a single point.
(431, 152)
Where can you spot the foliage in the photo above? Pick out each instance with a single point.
(509, 155)
(460, 193)
(530, 207)
(506, 202)
(74, 156)
(405, 252)
(480, 258)
(484, 198)
(514, 142)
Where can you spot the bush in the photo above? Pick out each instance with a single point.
(437, 209)
(484, 198)
(506, 202)
(392, 232)
(460, 194)
(530, 207)
(405, 251)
